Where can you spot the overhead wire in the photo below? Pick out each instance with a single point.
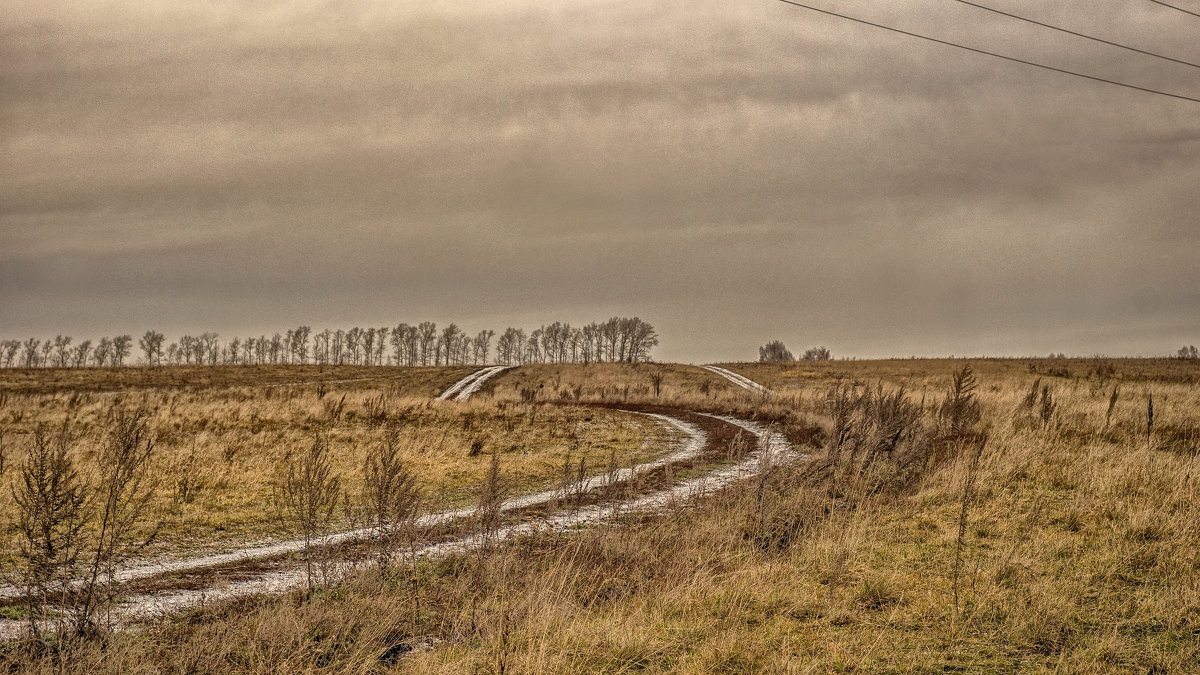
(1177, 9)
(1077, 34)
(984, 52)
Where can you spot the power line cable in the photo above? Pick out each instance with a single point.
(1177, 9)
(987, 53)
(1071, 32)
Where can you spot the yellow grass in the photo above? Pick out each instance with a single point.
(1081, 554)
(233, 438)
(422, 381)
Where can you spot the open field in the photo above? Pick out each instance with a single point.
(226, 433)
(918, 373)
(415, 381)
(1058, 531)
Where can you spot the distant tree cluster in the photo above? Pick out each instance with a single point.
(775, 351)
(58, 352)
(1188, 352)
(816, 354)
(617, 339)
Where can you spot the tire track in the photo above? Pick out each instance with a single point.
(466, 387)
(692, 447)
(771, 449)
(740, 380)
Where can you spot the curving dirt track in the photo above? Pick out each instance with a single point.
(466, 387)
(155, 590)
(740, 380)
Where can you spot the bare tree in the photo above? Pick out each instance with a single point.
(210, 348)
(576, 340)
(337, 353)
(152, 347)
(397, 339)
(482, 345)
(588, 340)
(81, 352)
(355, 337)
(30, 356)
(121, 345)
(463, 348)
(321, 344)
(642, 339)
(554, 339)
(533, 347)
(249, 349)
(300, 343)
(233, 352)
(62, 352)
(8, 352)
(102, 353)
(449, 339)
(275, 348)
(511, 347)
(368, 345)
(412, 344)
(428, 338)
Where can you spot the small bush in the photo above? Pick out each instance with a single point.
(960, 410)
(876, 594)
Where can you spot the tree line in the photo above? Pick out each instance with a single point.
(627, 339)
(777, 351)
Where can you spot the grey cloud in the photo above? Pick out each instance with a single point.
(734, 172)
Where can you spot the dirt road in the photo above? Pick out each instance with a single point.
(268, 569)
(739, 380)
(466, 387)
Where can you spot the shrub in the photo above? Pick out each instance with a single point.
(305, 496)
(774, 351)
(50, 501)
(390, 498)
(817, 354)
(960, 409)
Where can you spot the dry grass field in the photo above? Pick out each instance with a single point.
(221, 436)
(1058, 531)
(418, 381)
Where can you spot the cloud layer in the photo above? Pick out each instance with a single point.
(733, 172)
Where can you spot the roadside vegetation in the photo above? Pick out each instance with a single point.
(990, 515)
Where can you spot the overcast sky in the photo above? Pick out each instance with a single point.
(733, 171)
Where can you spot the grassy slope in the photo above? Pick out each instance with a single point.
(422, 381)
(1080, 553)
